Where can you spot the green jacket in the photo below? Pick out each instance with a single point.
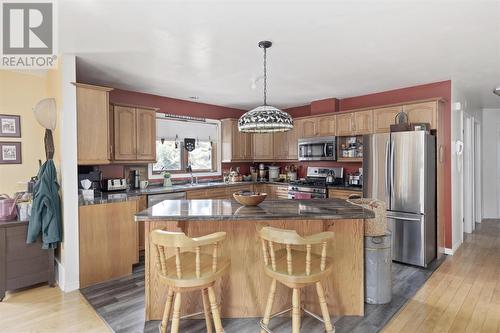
(45, 216)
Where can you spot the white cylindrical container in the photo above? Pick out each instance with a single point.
(274, 172)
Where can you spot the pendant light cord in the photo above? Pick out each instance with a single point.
(265, 76)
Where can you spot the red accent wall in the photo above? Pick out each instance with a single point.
(173, 105)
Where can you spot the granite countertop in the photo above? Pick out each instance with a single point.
(206, 210)
(111, 197)
(120, 196)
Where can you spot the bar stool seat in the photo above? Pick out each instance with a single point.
(189, 276)
(300, 276)
(186, 271)
(287, 263)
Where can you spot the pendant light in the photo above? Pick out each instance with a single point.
(265, 118)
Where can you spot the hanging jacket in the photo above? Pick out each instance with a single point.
(45, 216)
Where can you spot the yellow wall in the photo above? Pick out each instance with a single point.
(19, 92)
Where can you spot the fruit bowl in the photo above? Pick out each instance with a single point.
(249, 198)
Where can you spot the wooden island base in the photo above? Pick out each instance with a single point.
(243, 291)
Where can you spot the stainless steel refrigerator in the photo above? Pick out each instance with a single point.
(400, 169)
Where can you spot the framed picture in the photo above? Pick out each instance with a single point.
(10, 153)
(10, 126)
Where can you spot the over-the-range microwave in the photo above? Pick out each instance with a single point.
(318, 149)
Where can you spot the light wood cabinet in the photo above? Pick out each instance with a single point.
(354, 123)
(93, 124)
(327, 126)
(263, 146)
(146, 134)
(316, 126)
(344, 124)
(363, 122)
(236, 146)
(108, 241)
(125, 136)
(309, 128)
(134, 131)
(422, 113)
(383, 118)
(285, 145)
(342, 194)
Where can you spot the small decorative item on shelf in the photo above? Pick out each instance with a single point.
(248, 198)
(351, 147)
(401, 123)
(167, 180)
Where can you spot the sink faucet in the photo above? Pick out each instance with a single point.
(190, 170)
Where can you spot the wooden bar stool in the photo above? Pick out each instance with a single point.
(295, 269)
(187, 271)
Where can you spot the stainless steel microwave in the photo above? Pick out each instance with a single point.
(318, 149)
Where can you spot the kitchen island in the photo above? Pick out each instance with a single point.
(243, 291)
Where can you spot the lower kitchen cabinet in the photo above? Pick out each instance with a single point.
(108, 241)
(342, 194)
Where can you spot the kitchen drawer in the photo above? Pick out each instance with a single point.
(217, 193)
(342, 194)
(196, 194)
(281, 192)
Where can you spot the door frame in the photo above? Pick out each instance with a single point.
(468, 188)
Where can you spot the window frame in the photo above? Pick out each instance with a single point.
(216, 160)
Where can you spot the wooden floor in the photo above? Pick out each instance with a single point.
(45, 309)
(463, 295)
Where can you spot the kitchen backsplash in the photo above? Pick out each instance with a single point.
(121, 171)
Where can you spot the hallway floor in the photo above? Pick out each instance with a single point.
(463, 295)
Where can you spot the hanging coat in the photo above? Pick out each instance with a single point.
(45, 216)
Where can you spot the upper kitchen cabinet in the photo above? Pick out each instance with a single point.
(354, 123)
(263, 146)
(384, 117)
(327, 125)
(134, 133)
(146, 134)
(315, 126)
(236, 146)
(363, 122)
(345, 124)
(308, 127)
(425, 112)
(285, 144)
(93, 124)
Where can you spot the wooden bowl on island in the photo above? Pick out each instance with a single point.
(249, 198)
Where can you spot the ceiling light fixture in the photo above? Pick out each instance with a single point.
(265, 118)
(496, 91)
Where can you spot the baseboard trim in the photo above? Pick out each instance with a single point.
(453, 250)
(61, 279)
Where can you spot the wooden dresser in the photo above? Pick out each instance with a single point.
(21, 264)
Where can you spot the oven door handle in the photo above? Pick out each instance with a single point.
(325, 150)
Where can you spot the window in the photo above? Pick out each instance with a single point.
(174, 158)
(171, 156)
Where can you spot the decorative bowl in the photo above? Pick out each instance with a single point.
(249, 198)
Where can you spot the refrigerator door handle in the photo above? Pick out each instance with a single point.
(387, 171)
(391, 171)
(404, 218)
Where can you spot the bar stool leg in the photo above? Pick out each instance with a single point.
(296, 310)
(166, 312)
(177, 313)
(206, 309)
(269, 305)
(215, 310)
(324, 307)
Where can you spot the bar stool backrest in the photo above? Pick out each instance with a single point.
(271, 236)
(179, 241)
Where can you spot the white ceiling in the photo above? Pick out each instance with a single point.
(321, 49)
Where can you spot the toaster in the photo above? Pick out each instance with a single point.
(113, 184)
